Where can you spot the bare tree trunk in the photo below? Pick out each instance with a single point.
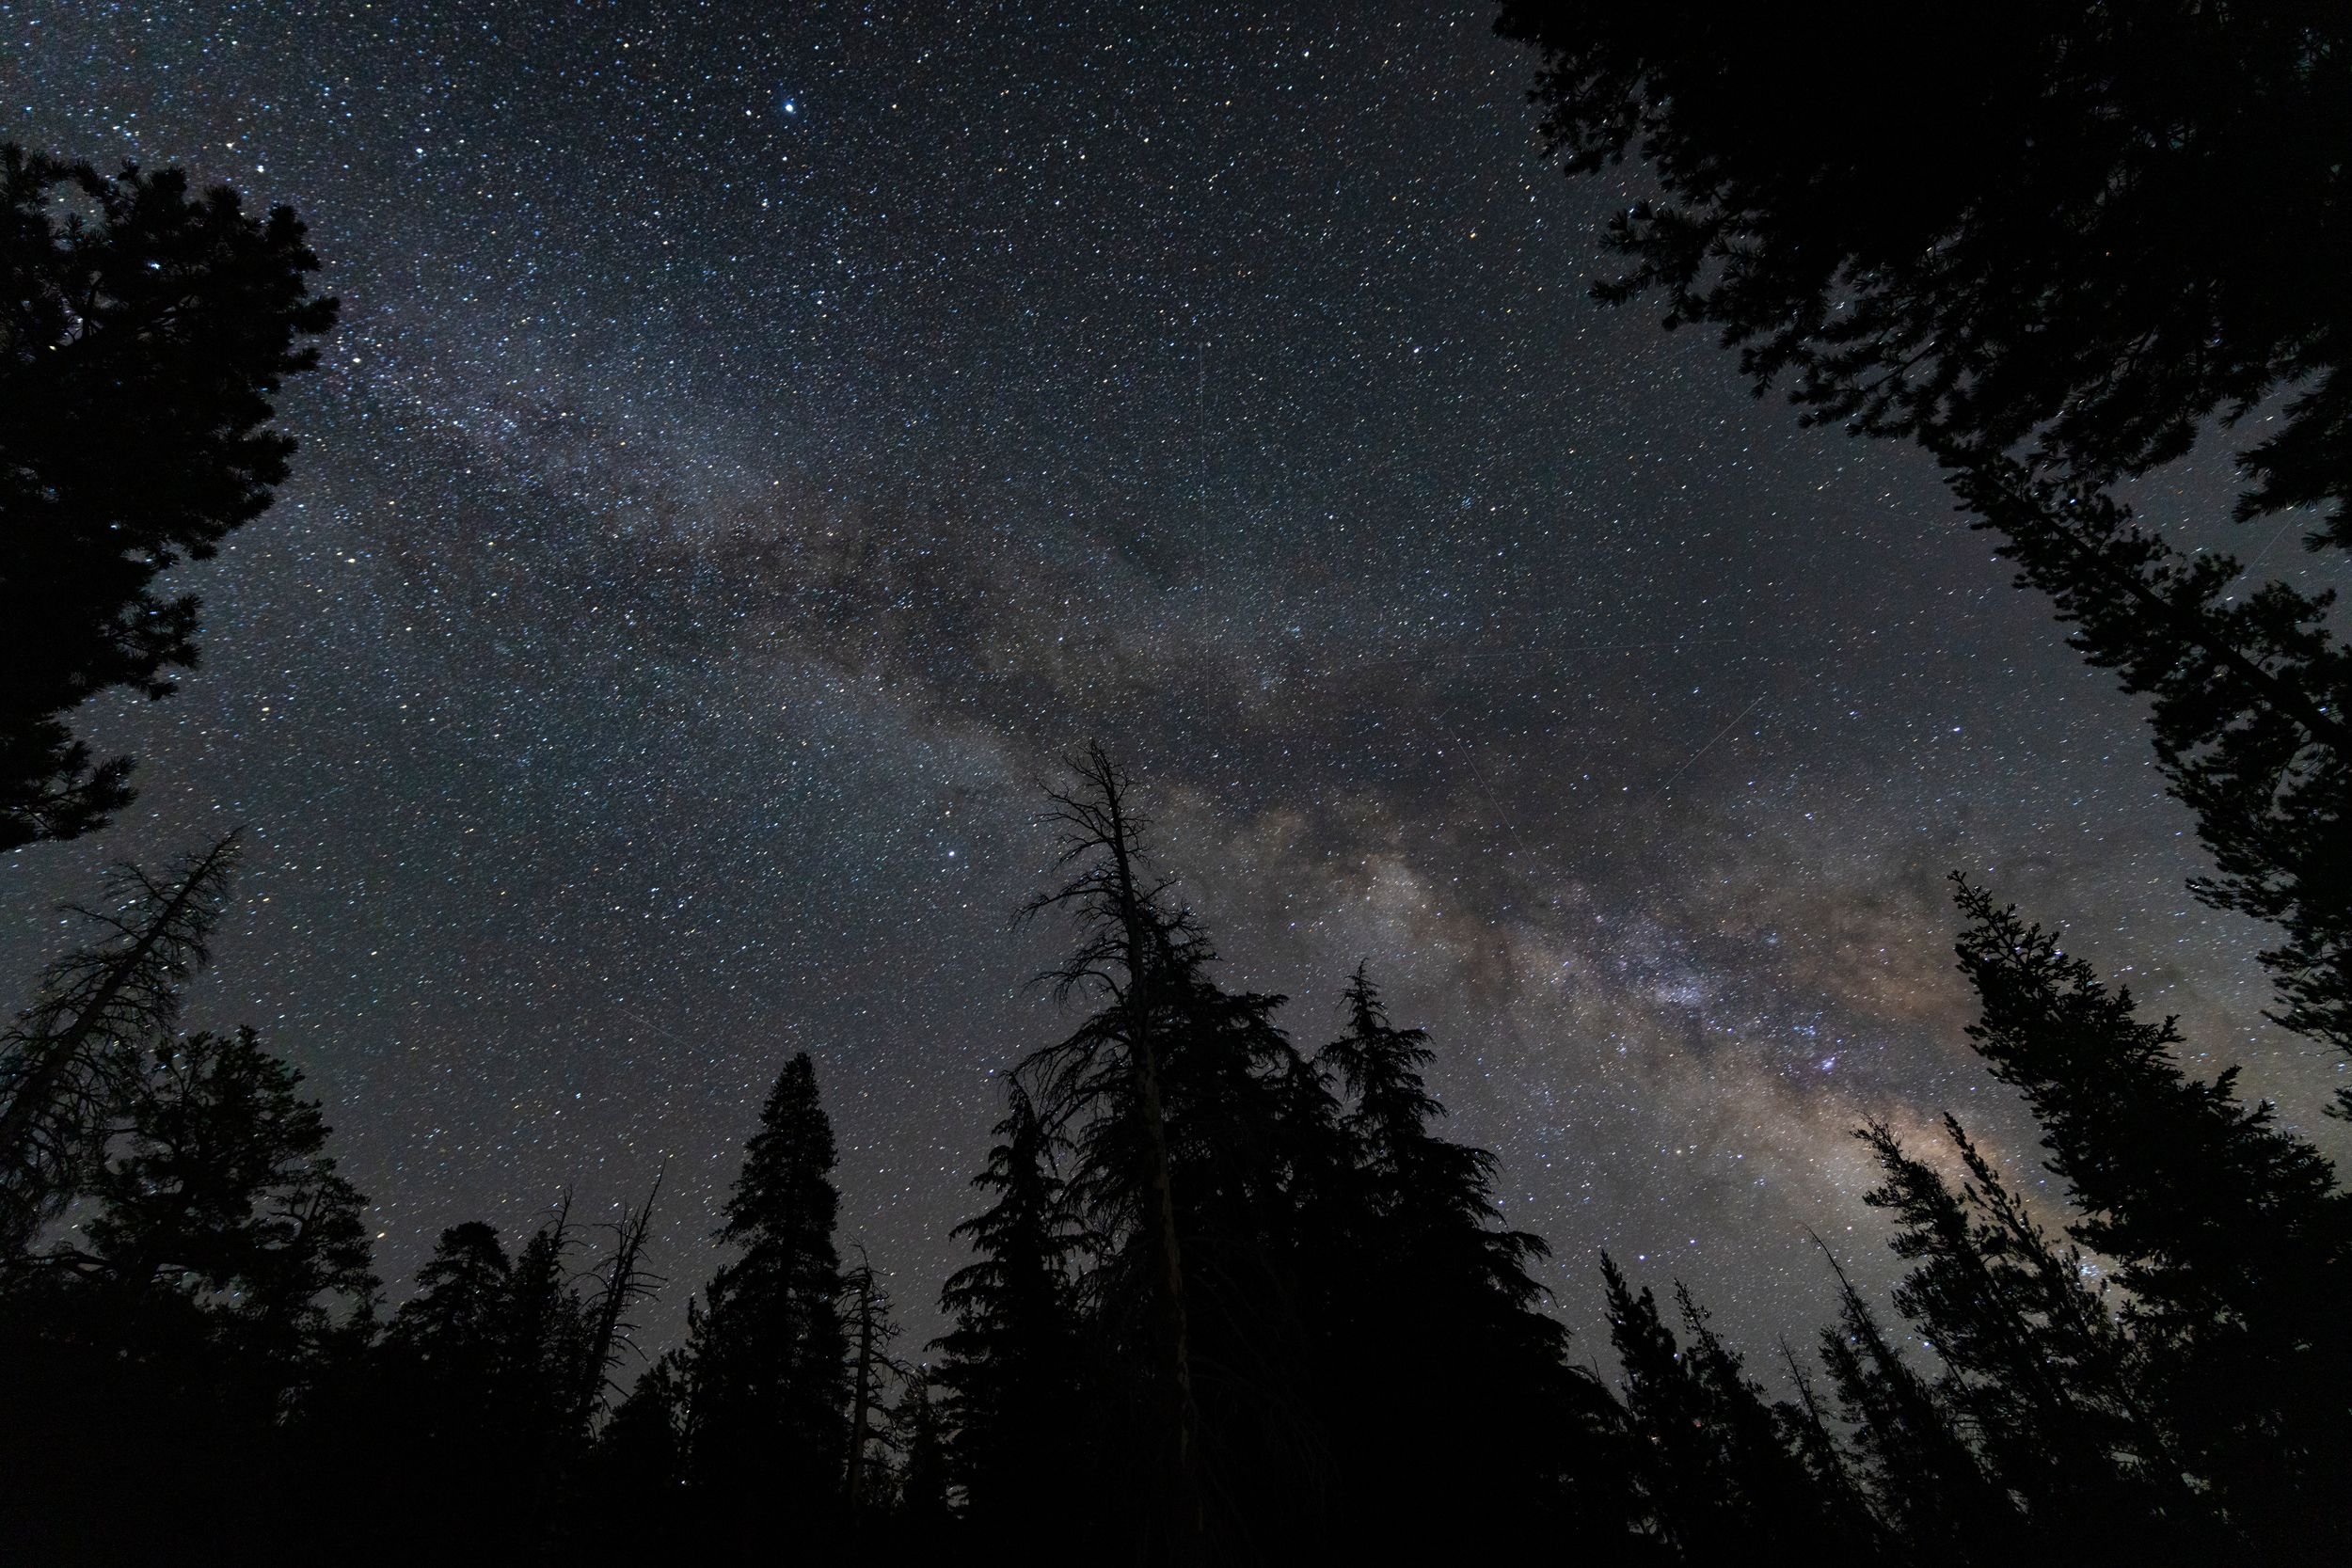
(626, 1281)
(1189, 1542)
(860, 1395)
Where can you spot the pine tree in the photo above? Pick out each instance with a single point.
(1013, 1367)
(768, 1375)
(916, 1421)
(453, 1400)
(484, 1391)
(1437, 1314)
(2018, 226)
(2231, 1235)
(459, 1312)
(145, 333)
(1431, 1198)
(75, 1060)
(1130, 950)
(1235, 1137)
(642, 1452)
(2247, 691)
(871, 1333)
(622, 1281)
(157, 1349)
(2037, 1368)
(1932, 1491)
(224, 1197)
(1720, 1472)
(2025, 246)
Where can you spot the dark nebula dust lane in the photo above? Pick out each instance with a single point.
(758, 443)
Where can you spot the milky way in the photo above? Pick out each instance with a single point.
(755, 447)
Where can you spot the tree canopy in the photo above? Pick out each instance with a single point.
(2085, 226)
(143, 334)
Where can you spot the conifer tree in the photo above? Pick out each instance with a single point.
(223, 1197)
(642, 1452)
(1719, 1474)
(454, 1327)
(1438, 1314)
(452, 1398)
(2024, 246)
(74, 1061)
(1932, 1491)
(871, 1333)
(156, 1352)
(622, 1281)
(2011, 225)
(1013, 1367)
(915, 1422)
(1129, 949)
(144, 334)
(2230, 1234)
(768, 1375)
(1235, 1137)
(2037, 1368)
(1430, 1197)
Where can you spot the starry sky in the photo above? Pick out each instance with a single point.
(762, 438)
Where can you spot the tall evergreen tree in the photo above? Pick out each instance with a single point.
(1130, 950)
(641, 1454)
(870, 1331)
(1430, 1197)
(2013, 225)
(156, 1352)
(1012, 1368)
(1308, 1249)
(2037, 1369)
(1931, 1490)
(222, 1197)
(1235, 1136)
(2230, 1234)
(2247, 693)
(1722, 1474)
(1439, 1318)
(768, 1357)
(459, 1313)
(482, 1376)
(923, 1486)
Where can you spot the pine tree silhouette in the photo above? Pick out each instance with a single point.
(75, 1060)
(1437, 1318)
(2038, 1369)
(767, 1376)
(2230, 1234)
(1722, 1475)
(145, 333)
(1013, 1367)
(221, 1266)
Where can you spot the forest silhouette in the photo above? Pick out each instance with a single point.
(1231, 1300)
(1233, 1297)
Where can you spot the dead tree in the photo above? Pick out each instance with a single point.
(72, 1057)
(1127, 943)
(874, 1331)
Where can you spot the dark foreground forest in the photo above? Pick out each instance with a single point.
(1231, 1300)
(1235, 1296)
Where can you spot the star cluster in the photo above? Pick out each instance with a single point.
(761, 438)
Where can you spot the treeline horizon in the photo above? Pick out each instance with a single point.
(1229, 1301)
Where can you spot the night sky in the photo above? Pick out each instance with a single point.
(762, 438)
